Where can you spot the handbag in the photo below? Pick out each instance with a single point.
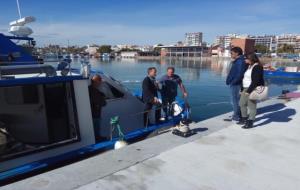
(259, 93)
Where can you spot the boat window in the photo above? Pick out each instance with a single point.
(36, 117)
(116, 93)
(110, 91)
(23, 95)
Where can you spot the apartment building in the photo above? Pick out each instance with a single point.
(193, 39)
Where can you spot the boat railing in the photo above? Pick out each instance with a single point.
(8, 63)
(37, 67)
(27, 69)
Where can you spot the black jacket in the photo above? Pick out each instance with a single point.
(97, 100)
(257, 78)
(149, 90)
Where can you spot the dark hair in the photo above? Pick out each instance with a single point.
(172, 68)
(150, 69)
(253, 58)
(93, 77)
(237, 50)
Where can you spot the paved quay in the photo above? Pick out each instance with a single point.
(221, 156)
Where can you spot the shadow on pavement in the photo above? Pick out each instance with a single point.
(271, 108)
(197, 130)
(276, 116)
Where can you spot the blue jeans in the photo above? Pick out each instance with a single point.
(235, 99)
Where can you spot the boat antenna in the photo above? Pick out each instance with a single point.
(19, 10)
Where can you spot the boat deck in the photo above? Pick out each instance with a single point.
(220, 156)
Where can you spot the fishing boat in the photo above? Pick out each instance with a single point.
(283, 72)
(45, 118)
(16, 54)
(45, 113)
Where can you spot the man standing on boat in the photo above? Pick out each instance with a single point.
(97, 100)
(170, 83)
(150, 95)
(234, 81)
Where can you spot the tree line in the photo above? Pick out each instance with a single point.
(285, 48)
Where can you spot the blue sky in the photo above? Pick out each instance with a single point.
(150, 21)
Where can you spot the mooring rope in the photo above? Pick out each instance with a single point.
(114, 122)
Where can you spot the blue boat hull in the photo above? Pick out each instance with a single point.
(282, 74)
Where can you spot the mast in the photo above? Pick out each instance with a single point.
(19, 10)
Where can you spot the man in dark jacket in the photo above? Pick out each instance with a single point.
(150, 95)
(234, 81)
(97, 100)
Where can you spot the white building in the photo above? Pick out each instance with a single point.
(272, 42)
(146, 48)
(266, 40)
(193, 39)
(115, 48)
(127, 46)
(289, 39)
(91, 49)
(225, 41)
(129, 54)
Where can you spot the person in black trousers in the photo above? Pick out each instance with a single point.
(150, 95)
(253, 77)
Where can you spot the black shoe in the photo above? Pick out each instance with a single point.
(231, 119)
(242, 121)
(248, 125)
(227, 119)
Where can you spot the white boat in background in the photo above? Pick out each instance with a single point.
(51, 57)
(105, 56)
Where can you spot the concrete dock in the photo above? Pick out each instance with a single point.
(221, 156)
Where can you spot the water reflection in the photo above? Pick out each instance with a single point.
(195, 66)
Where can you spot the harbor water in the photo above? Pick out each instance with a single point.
(204, 80)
